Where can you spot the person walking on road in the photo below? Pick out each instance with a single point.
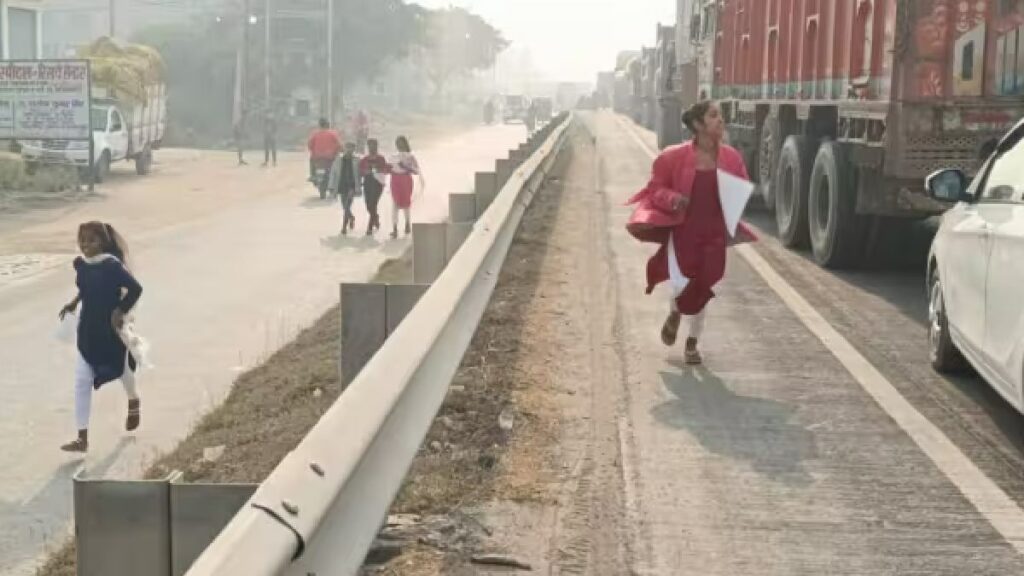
(403, 166)
(238, 133)
(269, 138)
(373, 170)
(107, 291)
(345, 183)
(680, 209)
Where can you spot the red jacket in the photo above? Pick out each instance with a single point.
(671, 178)
(324, 144)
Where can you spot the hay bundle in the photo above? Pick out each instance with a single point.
(125, 68)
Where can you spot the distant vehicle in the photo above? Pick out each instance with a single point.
(514, 109)
(975, 274)
(545, 109)
(127, 124)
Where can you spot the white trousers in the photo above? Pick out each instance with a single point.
(394, 215)
(84, 377)
(679, 282)
(695, 323)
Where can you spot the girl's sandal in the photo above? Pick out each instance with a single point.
(692, 357)
(134, 415)
(670, 329)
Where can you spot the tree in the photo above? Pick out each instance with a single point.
(457, 42)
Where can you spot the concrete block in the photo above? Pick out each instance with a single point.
(401, 300)
(363, 326)
(457, 233)
(462, 207)
(486, 187)
(428, 252)
(122, 528)
(503, 168)
(198, 513)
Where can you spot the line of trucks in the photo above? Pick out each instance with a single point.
(129, 113)
(840, 107)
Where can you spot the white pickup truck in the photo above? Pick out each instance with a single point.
(122, 130)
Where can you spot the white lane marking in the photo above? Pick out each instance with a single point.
(985, 495)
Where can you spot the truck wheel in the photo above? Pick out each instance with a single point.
(943, 353)
(767, 160)
(101, 169)
(790, 190)
(143, 162)
(836, 231)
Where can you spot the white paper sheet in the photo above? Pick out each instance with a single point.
(675, 275)
(734, 193)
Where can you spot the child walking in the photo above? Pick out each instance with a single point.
(107, 291)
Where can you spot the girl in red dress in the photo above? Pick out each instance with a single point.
(680, 210)
(403, 167)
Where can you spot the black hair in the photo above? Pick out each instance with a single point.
(324, 123)
(696, 114)
(402, 143)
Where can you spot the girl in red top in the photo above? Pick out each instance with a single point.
(680, 210)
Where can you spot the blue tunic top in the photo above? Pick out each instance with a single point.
(103, 287)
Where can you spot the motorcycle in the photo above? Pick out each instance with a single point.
(321, 178)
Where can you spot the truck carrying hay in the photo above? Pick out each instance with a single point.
(129, 111)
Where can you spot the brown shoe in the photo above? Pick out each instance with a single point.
(80, 444)
(134, 415)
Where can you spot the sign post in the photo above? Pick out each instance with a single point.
(46, 100)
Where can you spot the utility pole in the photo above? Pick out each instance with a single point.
(245, 57)
(111, 18)
(266, 58)
(330, 61)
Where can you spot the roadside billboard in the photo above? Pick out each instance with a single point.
(44, 100)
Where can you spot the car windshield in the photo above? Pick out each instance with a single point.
(99, 119)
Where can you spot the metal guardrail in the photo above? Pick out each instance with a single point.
(320, 509)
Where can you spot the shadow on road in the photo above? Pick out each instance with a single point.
(757, 431)
(28, 523)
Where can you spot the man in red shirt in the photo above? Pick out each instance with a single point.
(324, 146)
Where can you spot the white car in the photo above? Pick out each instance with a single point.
(976, 270)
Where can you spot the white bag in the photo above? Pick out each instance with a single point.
(67, 330)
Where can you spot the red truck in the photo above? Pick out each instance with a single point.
(842, 107)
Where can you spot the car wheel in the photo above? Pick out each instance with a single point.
(943, 353)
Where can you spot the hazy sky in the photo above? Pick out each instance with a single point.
(572, 39)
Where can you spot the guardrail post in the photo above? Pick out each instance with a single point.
(486, 187)
(400, 301)
(428, 252)
(198, 512)
(363, 326)
(462, 207)
(503, 168)
(456, 234)
(122, 528)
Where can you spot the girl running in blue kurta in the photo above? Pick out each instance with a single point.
(107, 292)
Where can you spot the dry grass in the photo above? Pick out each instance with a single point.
(50, 183)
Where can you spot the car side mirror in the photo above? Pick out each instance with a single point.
(948, 185)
